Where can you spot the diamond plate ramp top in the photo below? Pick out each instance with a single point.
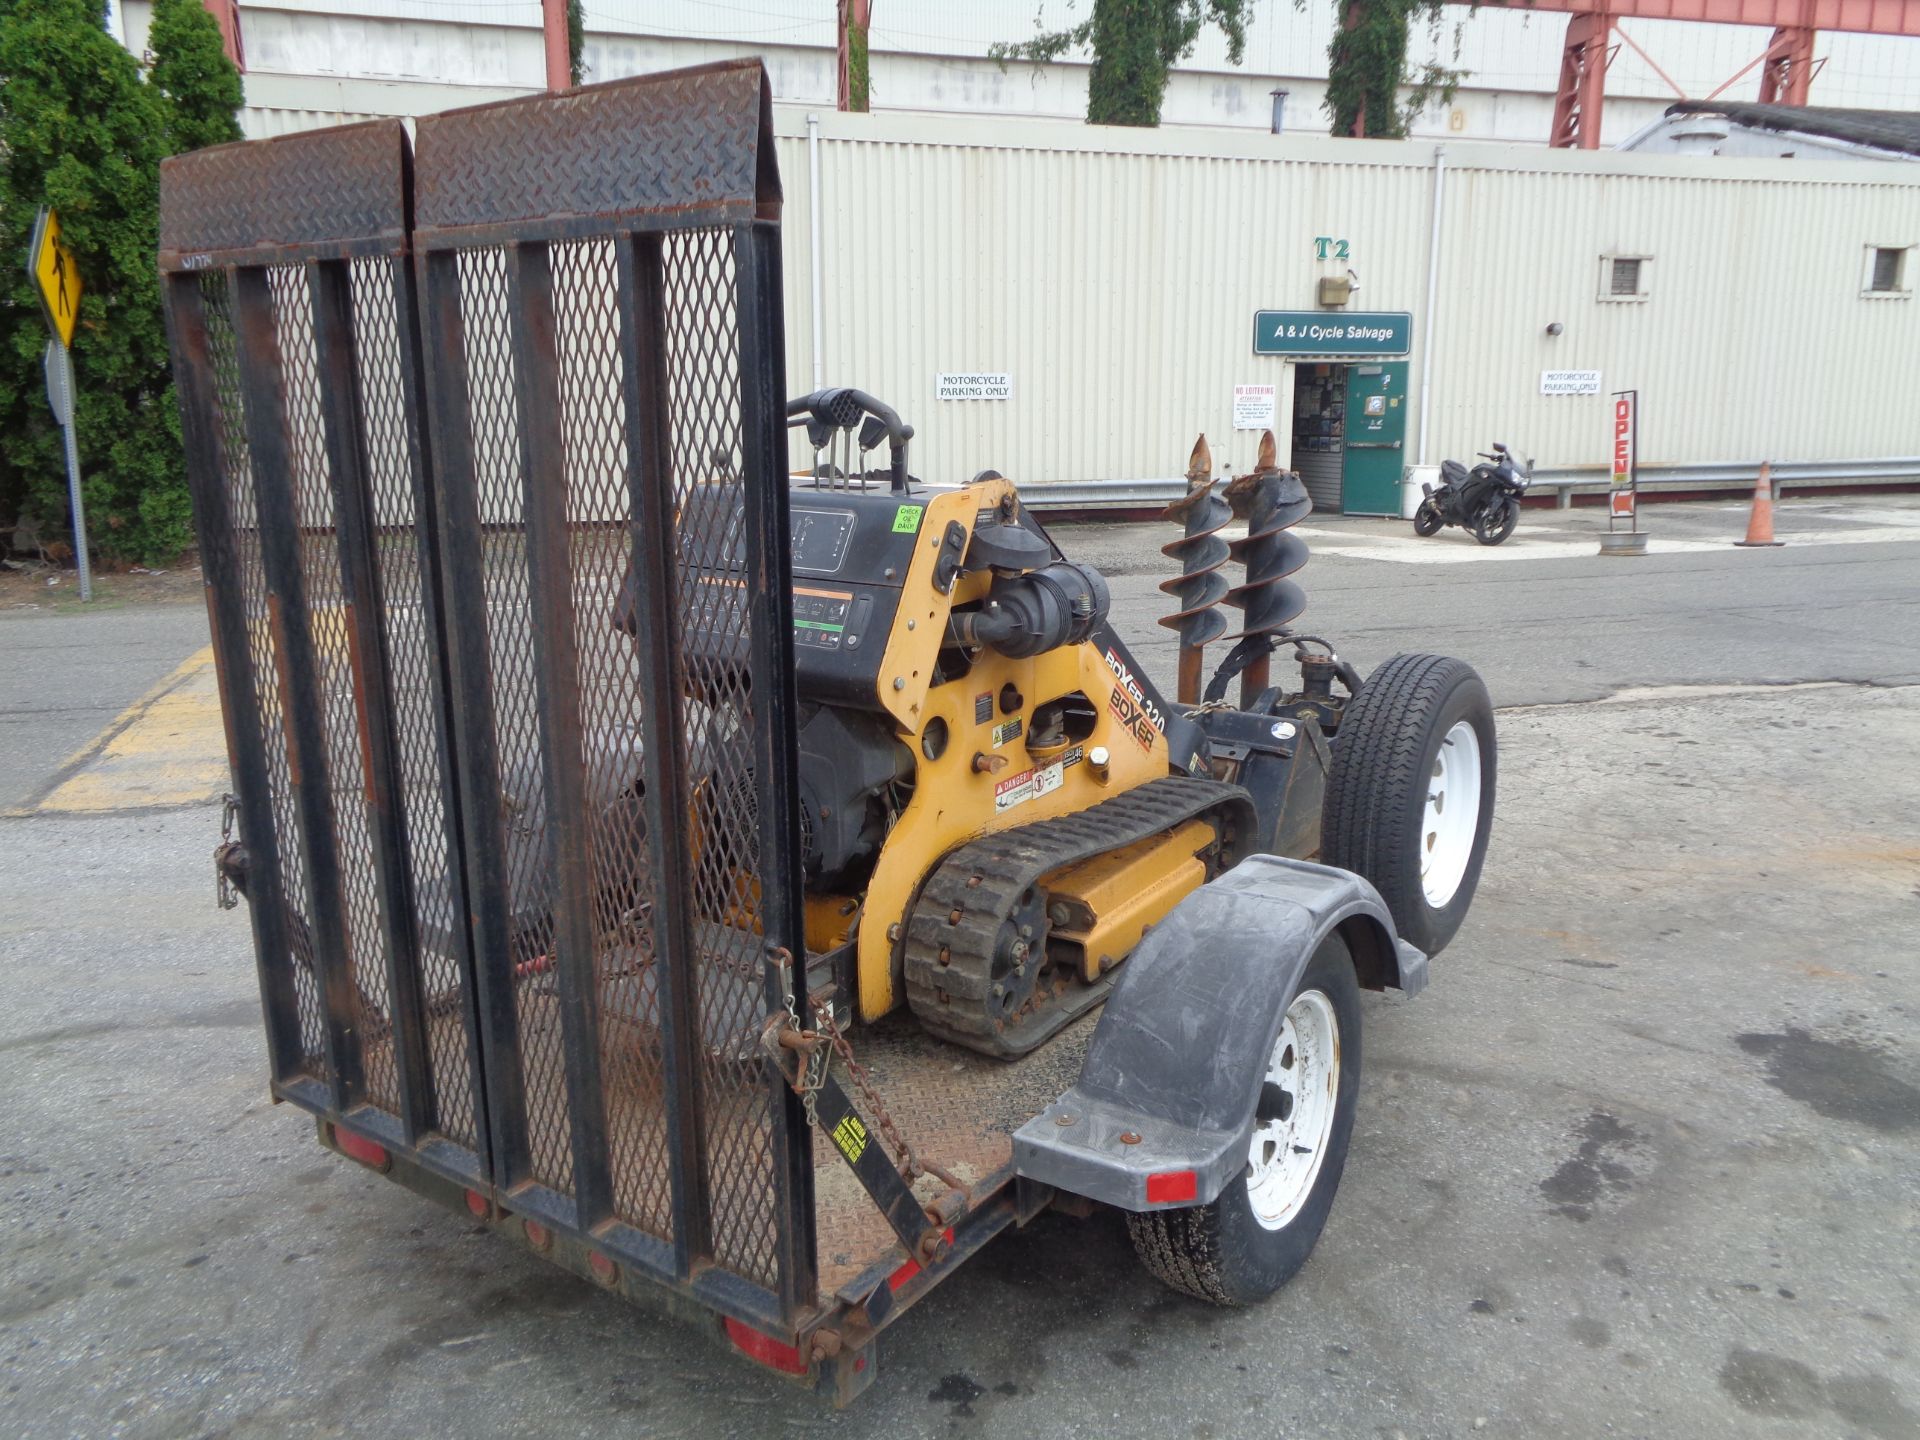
(694, 147)
(322, 194)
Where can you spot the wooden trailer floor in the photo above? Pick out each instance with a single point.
(954, 1107)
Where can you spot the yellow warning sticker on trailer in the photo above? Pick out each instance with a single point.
(851, 1136)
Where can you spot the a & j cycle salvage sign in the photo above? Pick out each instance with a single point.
(1326, 334)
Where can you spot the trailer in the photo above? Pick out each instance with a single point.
(751, 891)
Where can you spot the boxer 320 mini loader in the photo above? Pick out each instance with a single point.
(707, 876)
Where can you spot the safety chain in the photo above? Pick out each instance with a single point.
(814, 1061)
(224, 895)
(911, 1165)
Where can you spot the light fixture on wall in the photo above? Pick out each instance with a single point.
(1555, 327)
(1335, 290)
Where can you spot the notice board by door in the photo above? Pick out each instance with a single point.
(1377, 404)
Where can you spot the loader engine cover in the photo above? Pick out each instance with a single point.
(847, 761)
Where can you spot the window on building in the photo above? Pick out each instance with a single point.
(1624, 277)
(1887, 270)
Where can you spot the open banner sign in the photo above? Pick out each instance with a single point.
(1626, 405)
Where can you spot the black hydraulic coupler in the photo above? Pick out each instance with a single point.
(1270, 500)
(1200, 587)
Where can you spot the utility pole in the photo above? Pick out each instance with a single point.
(553, 21)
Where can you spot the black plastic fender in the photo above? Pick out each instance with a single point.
(1173, 1072)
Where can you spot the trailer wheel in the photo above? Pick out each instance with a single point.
(1260, 1229)
(1409, 801)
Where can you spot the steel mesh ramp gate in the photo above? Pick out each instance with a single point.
(600, 287)
(599, 589)
(289, 303)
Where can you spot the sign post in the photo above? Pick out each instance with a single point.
(1623, 496)
(57, 279)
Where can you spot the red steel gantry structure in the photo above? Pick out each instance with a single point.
(1787, 64)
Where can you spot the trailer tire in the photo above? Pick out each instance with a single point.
(1419, 733)
(1225, 1252)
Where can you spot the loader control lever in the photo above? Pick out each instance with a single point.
(842, 408)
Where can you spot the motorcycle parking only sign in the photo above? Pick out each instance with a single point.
(973, 385)
(1569, 382)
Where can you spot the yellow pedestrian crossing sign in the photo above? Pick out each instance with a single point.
(58, 280)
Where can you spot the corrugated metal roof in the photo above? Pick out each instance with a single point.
(1897, 130)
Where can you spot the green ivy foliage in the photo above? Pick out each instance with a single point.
(1367, 68)
(859, 70)
(84, 132)
(1135, 44)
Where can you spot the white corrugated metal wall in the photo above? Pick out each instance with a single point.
(1115, 277)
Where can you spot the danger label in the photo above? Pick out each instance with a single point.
(1028, 785)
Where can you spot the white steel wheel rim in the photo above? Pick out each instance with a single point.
(1451, 817)
(1287, 1151)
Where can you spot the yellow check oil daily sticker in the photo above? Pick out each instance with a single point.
(906, 520)
(851, 1136)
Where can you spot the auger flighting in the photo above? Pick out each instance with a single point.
(1271, 501)
(1200, 587)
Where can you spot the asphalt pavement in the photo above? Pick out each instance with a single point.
(1641, 1161)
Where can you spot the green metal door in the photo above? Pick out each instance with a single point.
(1377, 406)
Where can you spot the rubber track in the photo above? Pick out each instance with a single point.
(1377, 754)
(982, 883)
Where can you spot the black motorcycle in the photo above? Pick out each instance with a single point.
(1484, 500)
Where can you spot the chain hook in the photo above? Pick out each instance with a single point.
(224, 895)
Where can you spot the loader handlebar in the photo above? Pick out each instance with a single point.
(841, 408)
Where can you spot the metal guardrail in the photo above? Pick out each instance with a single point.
(1565, 482)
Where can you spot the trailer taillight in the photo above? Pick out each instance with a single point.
(772, 1353)
(1172, 1187)
(358, 1147)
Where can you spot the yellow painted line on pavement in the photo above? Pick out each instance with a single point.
(167, 748)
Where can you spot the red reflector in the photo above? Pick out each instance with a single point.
(1172, 1187)
(905, 1273)
(356, 1147)
(911, 1268)
(477, 1204)
(764, 1348)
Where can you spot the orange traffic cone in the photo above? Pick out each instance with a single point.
(1760, 522)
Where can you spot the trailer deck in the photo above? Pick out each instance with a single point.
(954, 1107)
